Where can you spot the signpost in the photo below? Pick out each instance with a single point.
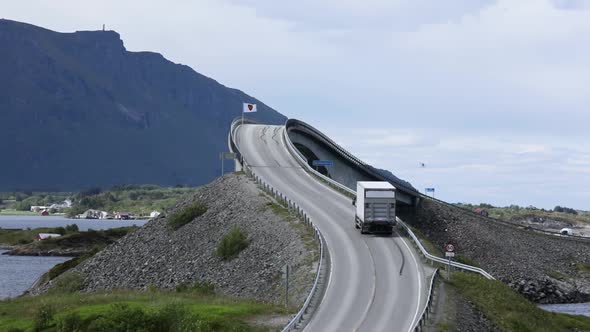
(225, 156)
(429, 190)
(322, 163)
(449, 252)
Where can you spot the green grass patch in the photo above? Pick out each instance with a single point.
(13, 212)
(281, 211)
(466, 260)
(510, 311)
(583, 267)
(429, 246)
(131, 311)
(186, 215)
(204, 288)
(232, 244)
(557, 275)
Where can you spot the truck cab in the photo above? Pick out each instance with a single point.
(375, 207)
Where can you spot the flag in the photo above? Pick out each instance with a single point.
(249, 108)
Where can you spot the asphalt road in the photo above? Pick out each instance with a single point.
(366, 291)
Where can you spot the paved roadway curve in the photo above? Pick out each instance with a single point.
(366, 291)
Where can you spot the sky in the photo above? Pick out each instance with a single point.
(492, 96)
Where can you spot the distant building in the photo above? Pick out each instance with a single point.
(43, 236)
(154, 214)
(38, 208)
(45, 213)
(122, 216)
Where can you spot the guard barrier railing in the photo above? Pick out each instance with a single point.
(291, 205)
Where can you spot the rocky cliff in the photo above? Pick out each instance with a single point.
(78, 110)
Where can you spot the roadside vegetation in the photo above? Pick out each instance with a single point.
(186, 215)
(232, 244)
(510, 311)
(519, 213)
(155, 310)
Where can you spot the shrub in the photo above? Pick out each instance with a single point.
(73, 228)
(183, 217)
(232, 244)
(68, 283)
(43, 317)
(70, 322)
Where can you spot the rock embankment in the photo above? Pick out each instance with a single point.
(544, 268)
(156, 255)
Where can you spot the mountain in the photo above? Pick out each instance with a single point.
(78, 110)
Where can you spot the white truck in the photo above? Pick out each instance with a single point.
(375, 207)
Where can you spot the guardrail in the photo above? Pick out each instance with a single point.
(428, 308)
(441, 260)
(291, 205)
(301, 159)
(399, 183)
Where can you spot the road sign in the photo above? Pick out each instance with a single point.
(322, 163)
(449, 250)
(227, 155)
(429, 190)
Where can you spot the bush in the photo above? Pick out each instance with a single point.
(73, 228)
(183, 217)
(43, 317)
(232, 244)
(68, 283)
(70, 322)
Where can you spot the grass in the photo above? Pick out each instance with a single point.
(211, 313)
(15, 237)
(429, 246)
(13, 212)
(557, 275)
(232, 244)
(583, 267)
(280, 211)
(510, 311)
(466, 260)
(186, 215)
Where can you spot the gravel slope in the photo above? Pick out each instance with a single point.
(157, 255)
(541, 267)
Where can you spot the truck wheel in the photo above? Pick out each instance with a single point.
(363, 231)
(356, 225)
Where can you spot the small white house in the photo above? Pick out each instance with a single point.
(154, 214)
(43, 236)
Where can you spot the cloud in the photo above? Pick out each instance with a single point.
(492, 95)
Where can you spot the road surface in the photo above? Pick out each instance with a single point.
(366, 291)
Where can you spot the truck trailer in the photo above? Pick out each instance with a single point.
(375, 207)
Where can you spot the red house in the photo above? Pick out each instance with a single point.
(481, 211)
(45, 213)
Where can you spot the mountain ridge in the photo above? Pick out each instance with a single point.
(78, 110)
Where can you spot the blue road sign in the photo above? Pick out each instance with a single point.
(429, 190)
(322, 163)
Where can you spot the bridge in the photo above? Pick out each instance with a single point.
(373, 283)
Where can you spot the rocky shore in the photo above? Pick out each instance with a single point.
(543, 268)
(156, 255)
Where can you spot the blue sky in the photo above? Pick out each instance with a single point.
(493, 96)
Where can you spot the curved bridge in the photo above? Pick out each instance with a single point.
(375, 283)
